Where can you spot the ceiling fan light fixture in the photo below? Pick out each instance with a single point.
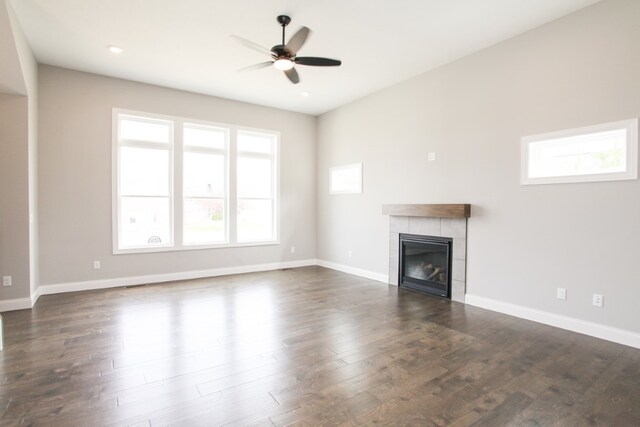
(283, 64)
(284, 55)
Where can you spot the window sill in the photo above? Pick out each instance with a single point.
(193, 247)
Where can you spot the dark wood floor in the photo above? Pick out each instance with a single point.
(305, 346)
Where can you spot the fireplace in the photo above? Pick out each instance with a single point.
(448, 221)
(425, 264)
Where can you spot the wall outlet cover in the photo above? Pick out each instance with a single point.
(6, 280)
(598, 300)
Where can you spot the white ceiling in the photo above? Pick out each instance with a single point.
(185, 44)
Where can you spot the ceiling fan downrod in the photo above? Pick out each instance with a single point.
(283, 20)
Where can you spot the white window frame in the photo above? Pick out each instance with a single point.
(170, 147)
(227, 196)
(176, 195)
(630, 172)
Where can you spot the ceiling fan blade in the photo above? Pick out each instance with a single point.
(252, 45)
(256, 66)
(297, 40)
(317, 62)
(292, 75)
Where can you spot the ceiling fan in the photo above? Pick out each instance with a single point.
(284, 56)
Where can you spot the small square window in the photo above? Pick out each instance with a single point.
(345, 179)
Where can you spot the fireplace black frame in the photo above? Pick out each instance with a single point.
(424, 286)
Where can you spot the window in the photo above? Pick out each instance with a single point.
(205, 166)
(256, 187)
(345, 179)
(144, 182)
(185, 184)
(603, 152)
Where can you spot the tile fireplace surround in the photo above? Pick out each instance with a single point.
(431, 220)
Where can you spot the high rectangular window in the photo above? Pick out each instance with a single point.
(603, 152)
(186, 184)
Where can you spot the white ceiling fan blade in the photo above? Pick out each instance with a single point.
(256, 66)
(252, 45)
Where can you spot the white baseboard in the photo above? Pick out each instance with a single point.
(355, 271)
(15, 304)
(597, 330)
(35, 296)
(159, 278)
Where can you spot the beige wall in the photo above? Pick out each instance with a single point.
(523, 242)
(74, 160)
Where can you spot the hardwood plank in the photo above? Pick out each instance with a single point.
(502, 414)
(307, 346)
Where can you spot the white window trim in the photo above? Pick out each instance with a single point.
(176, 184)
(226, 151)
(631, 171)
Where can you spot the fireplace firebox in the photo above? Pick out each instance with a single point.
(425, 264)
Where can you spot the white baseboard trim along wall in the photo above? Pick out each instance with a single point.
(58, 288)
(169, 277)
(355, 271)
(608, 333)
(15, 304)
(597, 330)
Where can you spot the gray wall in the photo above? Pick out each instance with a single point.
(14, 202)
(75, 177)
(523, 241)
(18, 146)
(11, 76)
(29, 68)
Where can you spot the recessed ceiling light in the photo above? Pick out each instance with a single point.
(305, 93)
(115, 49)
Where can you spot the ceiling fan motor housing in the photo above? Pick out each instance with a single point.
(280, 51)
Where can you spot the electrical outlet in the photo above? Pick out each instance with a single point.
(598, 300)
(6, 280)
(293, 249)
(96, 265)
(350, 254)
(561, 294)
(432, 156)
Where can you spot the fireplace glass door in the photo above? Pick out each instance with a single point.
(425, 264)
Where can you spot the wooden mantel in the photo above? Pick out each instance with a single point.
(433, 211)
